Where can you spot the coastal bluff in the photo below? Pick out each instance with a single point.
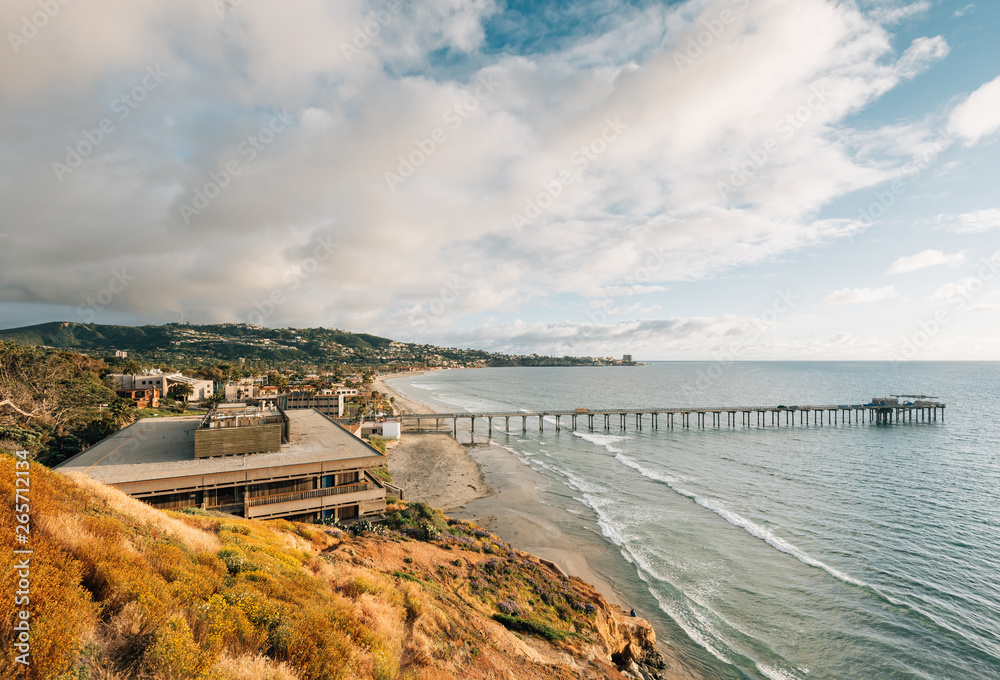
(122, 590)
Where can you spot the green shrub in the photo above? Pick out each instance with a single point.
(530, 627)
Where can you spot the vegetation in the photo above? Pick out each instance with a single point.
(201, 348)
(53, 403)
(120, 590)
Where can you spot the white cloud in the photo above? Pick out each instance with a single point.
(646, 211)
(974, 222)
(892, 15)
(963, 11)
(922, 260)
(979, 115)
(850, 296)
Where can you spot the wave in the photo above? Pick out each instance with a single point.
(776, 673)
(605, 440)
(750, 527)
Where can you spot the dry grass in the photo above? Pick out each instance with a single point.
(117, 501)
(255, 667)
(122, 590)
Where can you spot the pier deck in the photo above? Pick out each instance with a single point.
(750, 416)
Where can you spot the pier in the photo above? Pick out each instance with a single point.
(881, 411)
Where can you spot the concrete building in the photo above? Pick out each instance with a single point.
(388, 428)
(247, 389)
(161, 381)
(255, 463)
(143, 398)
(326, 402)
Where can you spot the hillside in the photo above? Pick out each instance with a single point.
(120, 590)
(172, 342)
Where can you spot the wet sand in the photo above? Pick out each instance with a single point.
(490, 486)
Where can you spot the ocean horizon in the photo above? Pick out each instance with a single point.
(791, 552)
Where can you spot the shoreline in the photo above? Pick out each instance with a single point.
(502, 499)
(505, 500)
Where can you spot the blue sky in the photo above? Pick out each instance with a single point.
(750, 179)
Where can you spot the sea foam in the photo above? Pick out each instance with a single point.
(750, 527)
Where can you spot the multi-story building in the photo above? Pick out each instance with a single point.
(255, 463)
(201, 389)
(144, 398)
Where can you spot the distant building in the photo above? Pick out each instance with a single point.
(144, 398)
(255, 463)
(242, 390)
(328, 403)
(119, 354)
(201, 389)
(388, 428)
(627, 358)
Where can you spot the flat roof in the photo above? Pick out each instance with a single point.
(161, 448)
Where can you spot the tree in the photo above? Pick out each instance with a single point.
(121, 412)
(214, 400)
(130, 367)
(180, 391)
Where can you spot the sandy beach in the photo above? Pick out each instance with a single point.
(488, 485)
(432, 467)
(485, 484)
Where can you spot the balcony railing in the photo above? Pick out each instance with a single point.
(302, 495)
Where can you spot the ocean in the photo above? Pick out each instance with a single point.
(847, 551)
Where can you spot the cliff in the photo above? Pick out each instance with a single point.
(120, 590)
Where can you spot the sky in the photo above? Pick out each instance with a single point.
(697, 180)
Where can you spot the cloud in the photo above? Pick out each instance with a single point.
(892, 15)
(850, 296)
(963, 11)
(979, 115)
(681, 189)
(922, 260)
(701, 336)
(974, 222)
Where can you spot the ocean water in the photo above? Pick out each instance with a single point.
(847, 551)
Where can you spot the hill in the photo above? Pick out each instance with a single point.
(178, 342)
(120, 590)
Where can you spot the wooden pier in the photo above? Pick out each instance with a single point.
(878, 412)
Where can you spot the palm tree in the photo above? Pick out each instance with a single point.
(214, 400)
(121, 412)
(180, 391)
(131, 367)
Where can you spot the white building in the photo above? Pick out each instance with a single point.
(202, 389)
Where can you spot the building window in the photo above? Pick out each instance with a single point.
(327, 481)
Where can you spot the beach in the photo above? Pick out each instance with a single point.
(486, 484)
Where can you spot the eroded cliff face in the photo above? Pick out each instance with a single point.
(121, 590)
(576, 632)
